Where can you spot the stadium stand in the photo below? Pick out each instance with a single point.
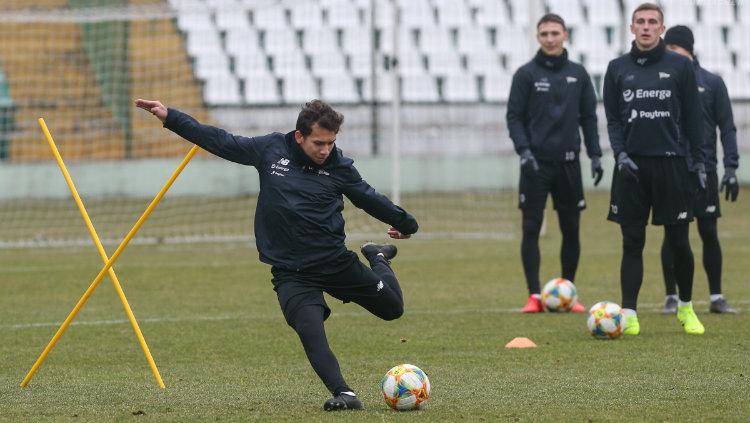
(240, 53)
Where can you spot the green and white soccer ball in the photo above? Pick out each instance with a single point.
(405, 387)
(606, 320)
(559, 295)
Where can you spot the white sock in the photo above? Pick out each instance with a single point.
(672, 297)
(350, 393)
(628, 312)
(716, 297)
(537, 296)
(684, 303)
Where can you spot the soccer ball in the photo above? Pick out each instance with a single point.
(559, 295)
(405, 387)
(606, 320)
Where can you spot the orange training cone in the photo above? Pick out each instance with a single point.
(520, 343)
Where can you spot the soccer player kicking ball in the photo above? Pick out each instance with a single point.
(299, 229)
(717, 111)
(550, 97)
(654, 121)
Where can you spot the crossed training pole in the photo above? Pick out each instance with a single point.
(108, 262)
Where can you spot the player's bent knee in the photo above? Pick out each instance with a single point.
(393, 313)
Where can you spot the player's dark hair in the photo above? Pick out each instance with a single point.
(648, 6)
(551, 17)
(319, 112)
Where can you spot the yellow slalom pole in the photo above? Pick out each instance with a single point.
(102, 252)
(108, 265)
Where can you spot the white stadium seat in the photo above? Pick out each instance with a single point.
(384, 89)
(355, 40)
(210, 64)
(445, 63)
(194, 20)
(433, 40)
(289, 63)
(416, 14)
(338, 89)
(279, 40)
(306, 14)
(491, 13)
(268, 16)
(569, 10)
(717, 12)
(738, 84)
(460, 88)
(497, 86)
(411, 63)
(230, 19)
(679, 12)
(202, 40)
(484, 63)
(299, 88)
(520, 12)
(251, 65)
(342, 14)
(261, 89)
(419, 88)
(222, 90)
(360, 64)
(321, 40)
(452, 13)
(240, 42)
(739, 37)
(603, 12)
(329, 64)
(743, 60)
(473, 40)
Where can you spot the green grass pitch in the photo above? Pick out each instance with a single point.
(214, 327)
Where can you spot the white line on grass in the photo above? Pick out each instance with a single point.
(20, 326)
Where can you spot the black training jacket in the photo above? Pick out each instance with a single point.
(298, 221)
(549, 98)
(652, 105)
(717, 111)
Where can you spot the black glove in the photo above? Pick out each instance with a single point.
(627, 166)
(700, 173)
(730, 182)
(596, 169)
(528, 162)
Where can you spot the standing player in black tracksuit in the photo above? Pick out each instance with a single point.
(299, 229)
(654, 121)
(549, 98)
(717, 111)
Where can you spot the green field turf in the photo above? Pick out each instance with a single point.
(225, 353)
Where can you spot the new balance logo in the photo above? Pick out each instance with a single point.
(283, 161)
(682, 216)
(379, 286)
(710, 209)
(571, 79)
(701, 89)
(664, 75)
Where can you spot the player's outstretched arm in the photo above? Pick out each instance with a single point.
(377, 205)
(238, 149)
(154, 107)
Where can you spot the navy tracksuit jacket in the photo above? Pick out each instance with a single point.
(549, 98)
(298, 221)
